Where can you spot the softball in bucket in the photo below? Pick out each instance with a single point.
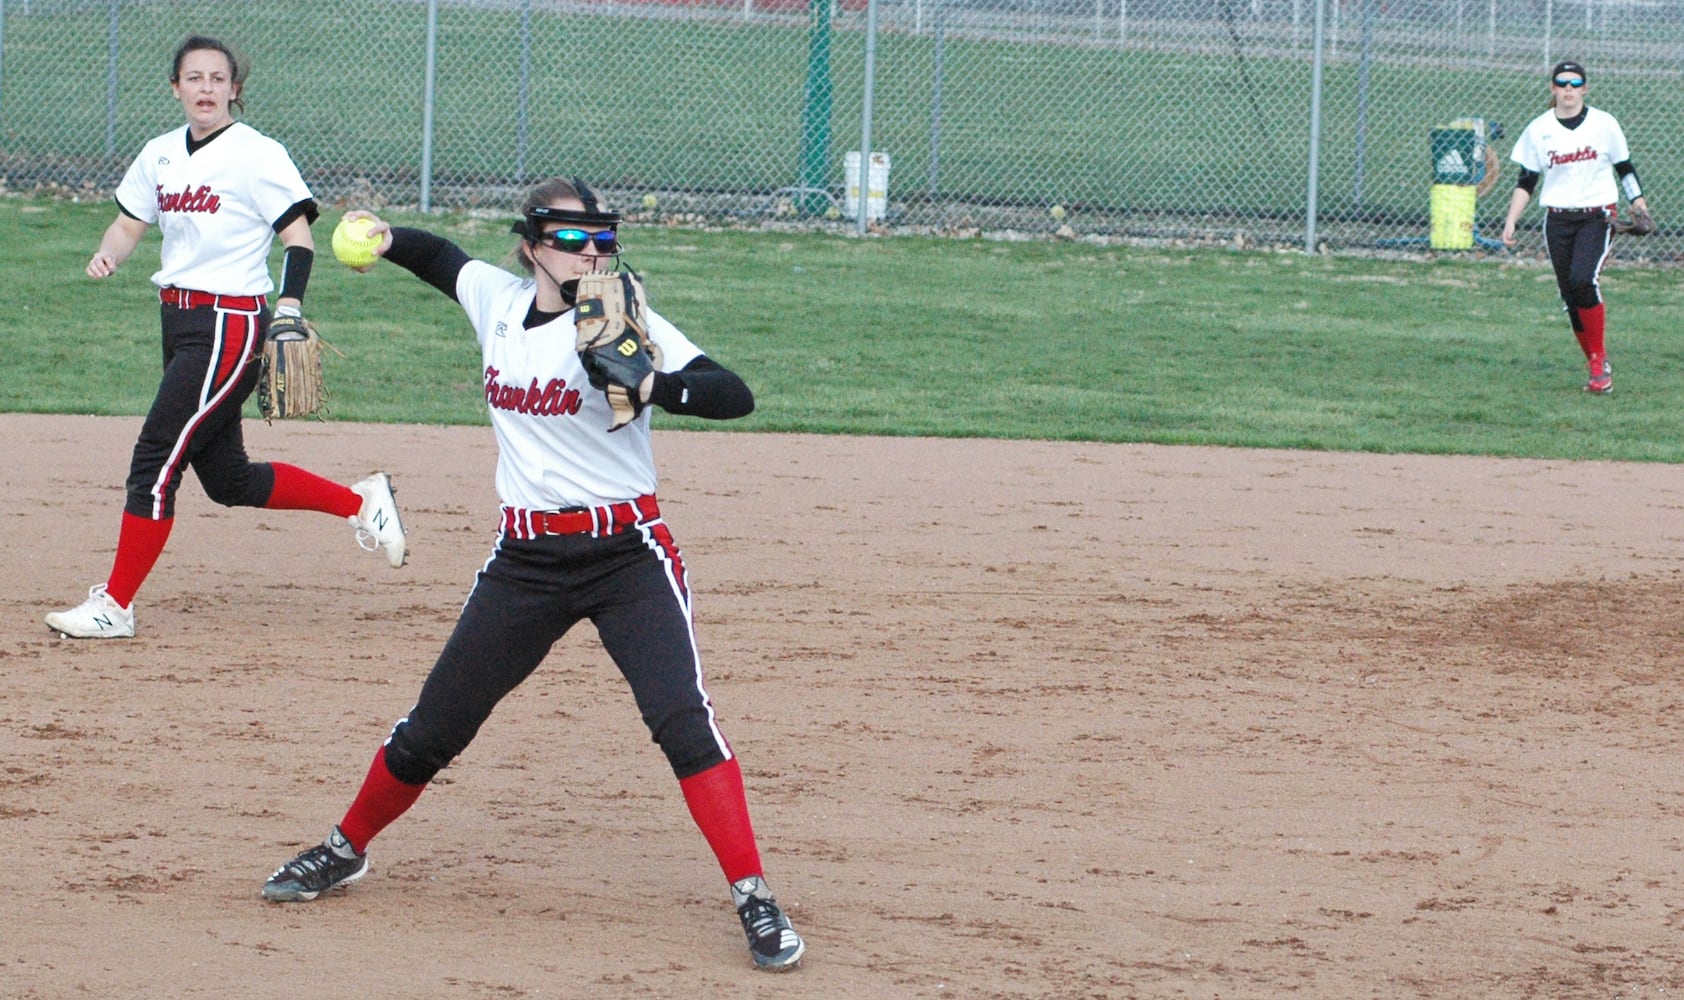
(353, 244)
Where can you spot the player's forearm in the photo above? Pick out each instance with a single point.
(121, 238)
(1517, 204)
(703, 389)
(432, 258)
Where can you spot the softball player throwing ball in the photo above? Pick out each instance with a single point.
(220, 191)
(581, 537)
(1580, 154)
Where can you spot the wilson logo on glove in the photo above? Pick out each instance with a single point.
(613, 340)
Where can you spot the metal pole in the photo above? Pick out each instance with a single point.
(1364, 72)
(1315, 130)
(522, 116)
(111, 36)
(427, 106)
(1549, 32)
(938, 70)
(866, 111)
(2, 59)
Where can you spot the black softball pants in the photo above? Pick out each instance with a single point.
(1578, 245)
(631, 586)
(211, 358)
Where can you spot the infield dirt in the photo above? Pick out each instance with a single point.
(1017, 720)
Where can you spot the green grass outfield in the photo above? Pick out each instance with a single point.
(918, 336)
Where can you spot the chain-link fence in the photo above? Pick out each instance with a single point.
(1167, 118)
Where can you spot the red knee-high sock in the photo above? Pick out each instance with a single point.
(382, 799)
(297, 489)
(1594, 320)
(140, 541)
(720, 809)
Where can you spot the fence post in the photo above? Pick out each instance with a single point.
(111, 78)
(427, 107)
(866, 112)
(523, 113)
(1311, 175)
(815, 117)
(2, 59)
(936, 70)
(1364, 74)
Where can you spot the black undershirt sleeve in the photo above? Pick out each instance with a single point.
(1528, 180)
(433, 259)
(703, 388)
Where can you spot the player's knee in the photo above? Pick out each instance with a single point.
(224, 492)
(691, 745)
(413, 760)
(1583, 296)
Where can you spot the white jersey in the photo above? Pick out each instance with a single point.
(554, 447)
(216, 208)
(1576, 164)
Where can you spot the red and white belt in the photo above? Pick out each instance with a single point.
(192, 298)
(519, 522)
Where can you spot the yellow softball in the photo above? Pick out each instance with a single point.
(353, 244)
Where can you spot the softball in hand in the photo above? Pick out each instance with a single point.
(353, 244)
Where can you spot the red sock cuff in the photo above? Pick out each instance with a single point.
(382, 799)
(299, 489)
(720, 809)
(140, 541)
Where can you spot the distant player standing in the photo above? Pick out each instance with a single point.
(581, 538)
(220, 191)
(1580, 154)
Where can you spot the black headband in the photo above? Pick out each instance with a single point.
(592, 215)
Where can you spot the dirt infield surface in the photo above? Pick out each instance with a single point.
(1017, 720)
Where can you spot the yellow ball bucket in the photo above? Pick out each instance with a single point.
(1453, 216)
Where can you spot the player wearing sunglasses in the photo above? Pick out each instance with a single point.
(1579, 154)
(581, 537)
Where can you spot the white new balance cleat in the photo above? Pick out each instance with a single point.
(98, 617)
(378, 525)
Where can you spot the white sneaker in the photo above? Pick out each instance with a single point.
(98, 617)
(378, 525)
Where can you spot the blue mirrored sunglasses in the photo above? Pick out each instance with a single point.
(574, 240)
(1574, 82)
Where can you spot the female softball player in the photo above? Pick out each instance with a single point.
(220, 191)
(1580, 154)
(581, 536)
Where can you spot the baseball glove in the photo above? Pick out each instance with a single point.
(289, 382)
(613, 340)
(1640, 223)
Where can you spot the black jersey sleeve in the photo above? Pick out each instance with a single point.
(433, 259)
(306, 208)
(703, 388)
